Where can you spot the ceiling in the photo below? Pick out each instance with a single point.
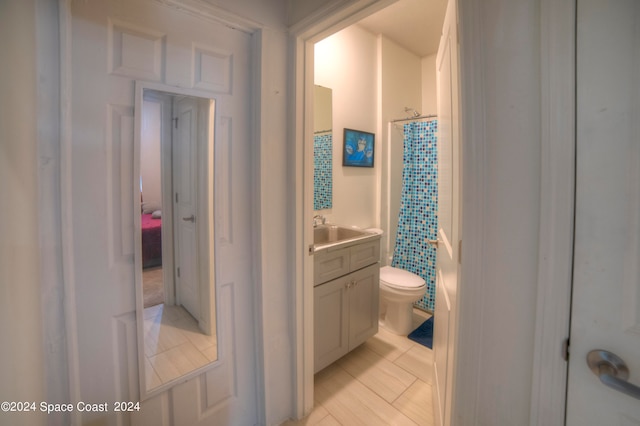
(414, 24)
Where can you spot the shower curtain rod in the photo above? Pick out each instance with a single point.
(420, 117)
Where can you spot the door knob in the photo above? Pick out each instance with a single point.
(612, 371)
(191, 219)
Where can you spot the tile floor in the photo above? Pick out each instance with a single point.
(152, 286)
(174, 345)
(386, 381)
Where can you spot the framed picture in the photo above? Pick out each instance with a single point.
(358, 148)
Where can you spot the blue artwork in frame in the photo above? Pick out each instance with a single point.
(358, 148)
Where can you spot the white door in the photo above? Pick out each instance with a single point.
(185, 191)
(606, 283)
(113, 43)
(447, 254)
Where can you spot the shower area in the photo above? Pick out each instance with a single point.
(412, 198)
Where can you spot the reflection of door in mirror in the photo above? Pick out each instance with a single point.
(184, 186)
(322, 149)
(179, 331)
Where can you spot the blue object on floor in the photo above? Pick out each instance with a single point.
(423, 334)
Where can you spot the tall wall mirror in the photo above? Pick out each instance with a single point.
(322, 149)
(173, 217)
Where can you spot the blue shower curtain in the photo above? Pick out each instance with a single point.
(418, 219)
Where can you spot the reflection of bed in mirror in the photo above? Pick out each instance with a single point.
(151, 240)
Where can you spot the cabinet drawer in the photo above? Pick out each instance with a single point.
(331, 264)
(364, 254)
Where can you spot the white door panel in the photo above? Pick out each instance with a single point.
(606, 286)
(112, 43)
(448, 216)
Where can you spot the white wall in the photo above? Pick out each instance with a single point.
(150, 158)
(400, 86)
(373, 79)
(429, 92)
(22, 363)
(402, 80)
(346, 62)
(300, 9)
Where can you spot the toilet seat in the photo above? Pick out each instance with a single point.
(400, 279)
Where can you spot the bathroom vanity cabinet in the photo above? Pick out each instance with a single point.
(347, 302)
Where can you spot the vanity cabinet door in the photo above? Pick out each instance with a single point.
(330, 322)
(363, 304)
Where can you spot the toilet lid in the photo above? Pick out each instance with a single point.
(399, 278)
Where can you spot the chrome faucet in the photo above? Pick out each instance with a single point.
(319, 219)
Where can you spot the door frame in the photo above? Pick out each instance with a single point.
(325, 21)
(555, 235)
(557, 47)
(557, 209)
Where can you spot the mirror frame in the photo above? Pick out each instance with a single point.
(206, 249)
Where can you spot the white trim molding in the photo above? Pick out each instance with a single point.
(304, 35)
(555, 257)
(466, 382)
(71, 320)
(555, 245)
(212, 13)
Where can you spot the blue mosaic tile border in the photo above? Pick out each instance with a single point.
(418, 219)
(322, 171)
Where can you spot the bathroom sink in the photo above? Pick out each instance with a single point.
(333, 233)
(325, 236)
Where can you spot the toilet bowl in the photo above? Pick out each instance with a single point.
(398, 290)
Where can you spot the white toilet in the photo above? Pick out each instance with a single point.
(398, 290)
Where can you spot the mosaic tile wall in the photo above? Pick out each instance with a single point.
(322, 171)
(418, 219)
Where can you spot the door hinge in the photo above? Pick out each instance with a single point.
(176, 197)
(175, 122)
(460, 251)
(565, 349)
(178, 271)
